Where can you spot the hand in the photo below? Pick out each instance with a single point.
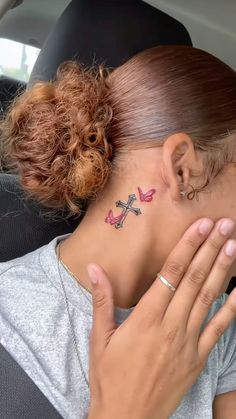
(143, 368)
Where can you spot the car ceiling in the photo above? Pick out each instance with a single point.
(31, 21)
(211, 23)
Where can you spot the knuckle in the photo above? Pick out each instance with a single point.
(99, 301)
(218, 329)
(192, 242)
(193, 360)
(207, 297)
(175, 268)
(223, 265)
(215, 244)
(223, 262)
(171, 334)
(231, 306)
(195, 276)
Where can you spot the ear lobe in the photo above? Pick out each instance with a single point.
(179, 157)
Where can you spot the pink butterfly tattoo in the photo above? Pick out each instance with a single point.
(110, 219)
(146, 197)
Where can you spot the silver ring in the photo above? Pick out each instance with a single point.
(167, 283)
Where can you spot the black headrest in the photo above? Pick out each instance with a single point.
(109, 31)
(24, 225)
(9, 88)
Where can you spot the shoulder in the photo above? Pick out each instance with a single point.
(33, 263)
(27, 278)
(21, 269)
(17, 274)
(17, 266)
(29, 297)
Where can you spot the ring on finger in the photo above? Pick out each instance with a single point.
(165, 282)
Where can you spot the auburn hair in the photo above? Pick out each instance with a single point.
(63, 136)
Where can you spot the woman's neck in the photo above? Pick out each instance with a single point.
(126, 254)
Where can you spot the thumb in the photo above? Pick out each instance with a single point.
(103, 306)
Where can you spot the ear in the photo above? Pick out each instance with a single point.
(180, 162)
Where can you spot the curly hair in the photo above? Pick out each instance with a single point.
(64, 136)
(56, 137)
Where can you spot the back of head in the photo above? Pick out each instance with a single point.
(64, 136)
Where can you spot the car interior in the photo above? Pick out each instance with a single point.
(91, 31)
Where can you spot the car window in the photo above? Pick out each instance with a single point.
(16, 59)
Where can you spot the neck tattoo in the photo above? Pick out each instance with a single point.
(118, 221)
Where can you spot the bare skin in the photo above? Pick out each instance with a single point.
(132, 256)
(162, 338)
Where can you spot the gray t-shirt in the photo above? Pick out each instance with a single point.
(35, 329)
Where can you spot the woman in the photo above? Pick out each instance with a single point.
(150, 147)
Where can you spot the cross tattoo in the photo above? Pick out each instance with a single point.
(127, 207)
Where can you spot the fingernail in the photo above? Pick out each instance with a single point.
(205, 226)
(226, 227)
(92, 274)
(230, 248)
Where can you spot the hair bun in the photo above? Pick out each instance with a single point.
(57, 136)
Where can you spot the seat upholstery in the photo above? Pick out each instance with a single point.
(25, 225)
(19, 396)
(9, 88)
(107, 31)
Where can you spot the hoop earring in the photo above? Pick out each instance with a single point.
(189, 195)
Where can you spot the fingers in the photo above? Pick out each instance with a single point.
(158, 297)
(212, 287)
(103, 309)
(217, 326)
(198, 271)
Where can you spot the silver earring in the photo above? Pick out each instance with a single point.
(182, 193)
(190, 195)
